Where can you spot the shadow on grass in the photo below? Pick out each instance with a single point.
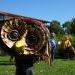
(7, 63)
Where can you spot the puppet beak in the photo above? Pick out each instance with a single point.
(21, 46)
(20, 43)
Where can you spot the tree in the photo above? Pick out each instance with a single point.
(72, 28)
(67, 26)
(56, 27)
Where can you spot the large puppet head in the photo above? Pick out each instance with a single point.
(24, 36)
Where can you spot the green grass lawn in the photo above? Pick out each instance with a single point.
(59, 67)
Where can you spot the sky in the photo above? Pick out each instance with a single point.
(60, 10)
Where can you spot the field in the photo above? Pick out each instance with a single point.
(59, 67)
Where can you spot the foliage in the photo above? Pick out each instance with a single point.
(55, 27)
(72, 29)
(67, 26)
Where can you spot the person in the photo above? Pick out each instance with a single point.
(53, 44)
(69, 50)
(24, 64)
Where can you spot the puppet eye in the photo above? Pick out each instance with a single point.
(32, 39)
(13, 35)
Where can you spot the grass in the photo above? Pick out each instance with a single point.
(59, 67)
